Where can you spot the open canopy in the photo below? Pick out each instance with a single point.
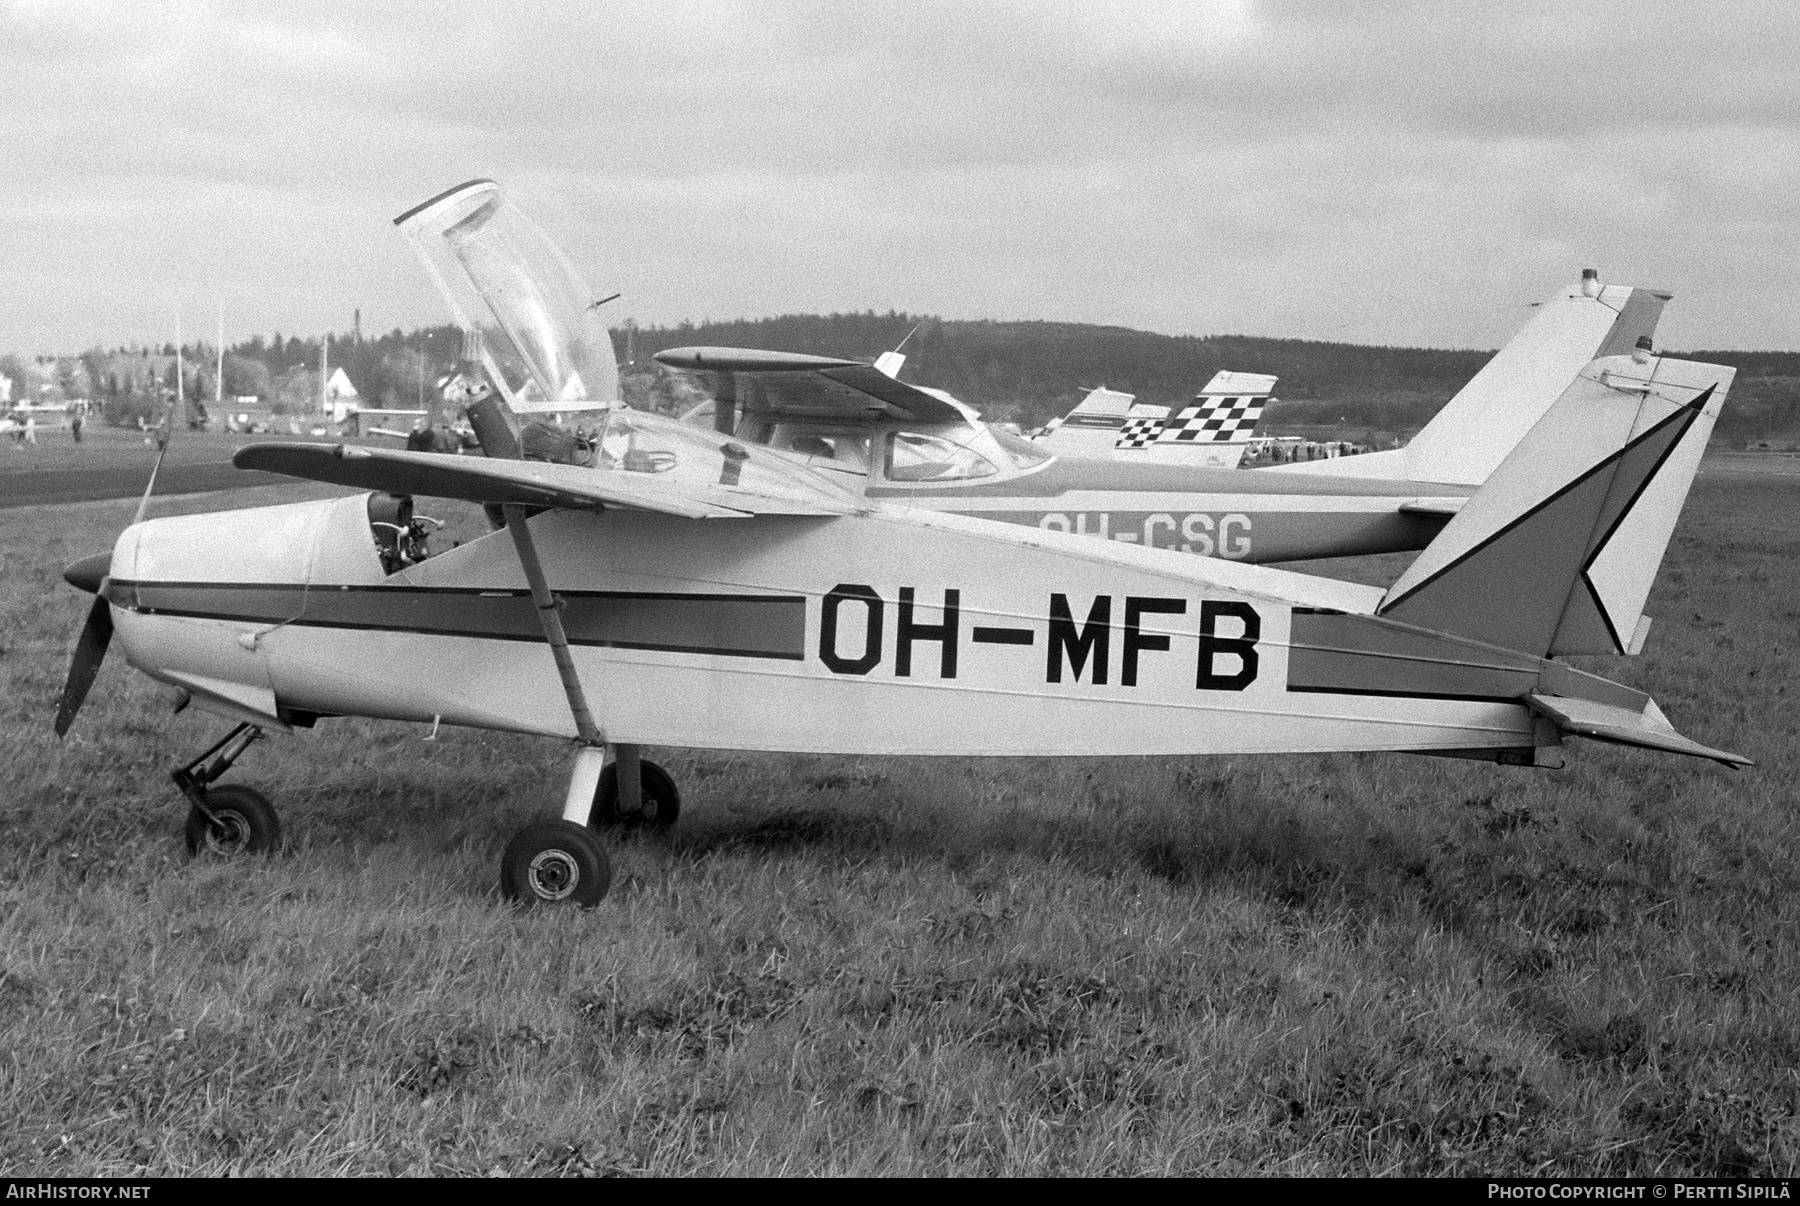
(536, 329)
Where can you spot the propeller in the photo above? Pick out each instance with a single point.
(90, 651)
(90, 574)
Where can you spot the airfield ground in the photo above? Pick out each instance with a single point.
(1340, 965)
(114, 462)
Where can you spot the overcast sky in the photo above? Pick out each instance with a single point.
(1370, 171)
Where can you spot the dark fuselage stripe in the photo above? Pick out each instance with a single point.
(1371, 691)
(1330, 653)
(768, 626)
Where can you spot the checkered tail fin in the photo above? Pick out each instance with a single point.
(1215, 419)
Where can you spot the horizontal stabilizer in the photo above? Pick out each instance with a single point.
(1609, 722)
(1103, 401)
(1227, 382)
(1432, 506)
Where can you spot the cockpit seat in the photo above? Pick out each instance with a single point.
(541, 441)
(812, 446)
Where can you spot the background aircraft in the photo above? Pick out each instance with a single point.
(688, 589)
(920, 446)
(1212, 432)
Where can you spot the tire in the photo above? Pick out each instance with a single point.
(247, 823)
(661, 800)
(555, 862)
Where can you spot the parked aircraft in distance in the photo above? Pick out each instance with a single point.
(921, 447)
(691, 588)
(1212, 432)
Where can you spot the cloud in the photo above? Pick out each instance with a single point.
(1365, 171)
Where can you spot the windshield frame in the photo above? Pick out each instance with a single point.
(976, 437)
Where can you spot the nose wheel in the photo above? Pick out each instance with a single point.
(242, 821)
(232, 819)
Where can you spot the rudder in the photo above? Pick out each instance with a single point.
(1557, 553)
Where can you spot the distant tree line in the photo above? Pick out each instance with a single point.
(1031, 372)
(1026, 372)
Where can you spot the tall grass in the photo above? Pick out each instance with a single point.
(1359, 964)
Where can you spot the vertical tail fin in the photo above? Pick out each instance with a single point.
(1225, 413)
(1557, 553)
(1468, 439)
(1211, 431)
(1093, 427)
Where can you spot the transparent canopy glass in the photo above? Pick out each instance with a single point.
(536, 327)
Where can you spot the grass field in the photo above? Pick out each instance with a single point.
(104, 447)
(114, 462)
(1338, 965)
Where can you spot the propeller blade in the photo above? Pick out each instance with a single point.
(90, 651)
(162, 446)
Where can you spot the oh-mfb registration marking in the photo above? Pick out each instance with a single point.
(1097, 639)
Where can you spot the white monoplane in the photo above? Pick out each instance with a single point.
(688, 589)
(1116, 471)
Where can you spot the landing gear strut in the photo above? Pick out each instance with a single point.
(562, 861)
(232, 819)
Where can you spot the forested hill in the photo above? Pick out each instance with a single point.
(1031, 372)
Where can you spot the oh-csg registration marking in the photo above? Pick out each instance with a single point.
(1079, 644)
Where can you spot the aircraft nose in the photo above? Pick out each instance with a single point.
(88, 573)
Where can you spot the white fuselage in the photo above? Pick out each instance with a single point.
(901, 632)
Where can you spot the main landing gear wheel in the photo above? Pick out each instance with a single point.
(661, 800)
(555, 862)
(243, 822)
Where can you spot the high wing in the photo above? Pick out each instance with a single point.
(679, 474)
(813, 387)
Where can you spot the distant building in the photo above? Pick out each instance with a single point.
(251, 413)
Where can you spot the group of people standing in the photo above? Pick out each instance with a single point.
(424, 439)
(24, 432)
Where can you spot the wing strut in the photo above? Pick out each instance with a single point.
(591, 759)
